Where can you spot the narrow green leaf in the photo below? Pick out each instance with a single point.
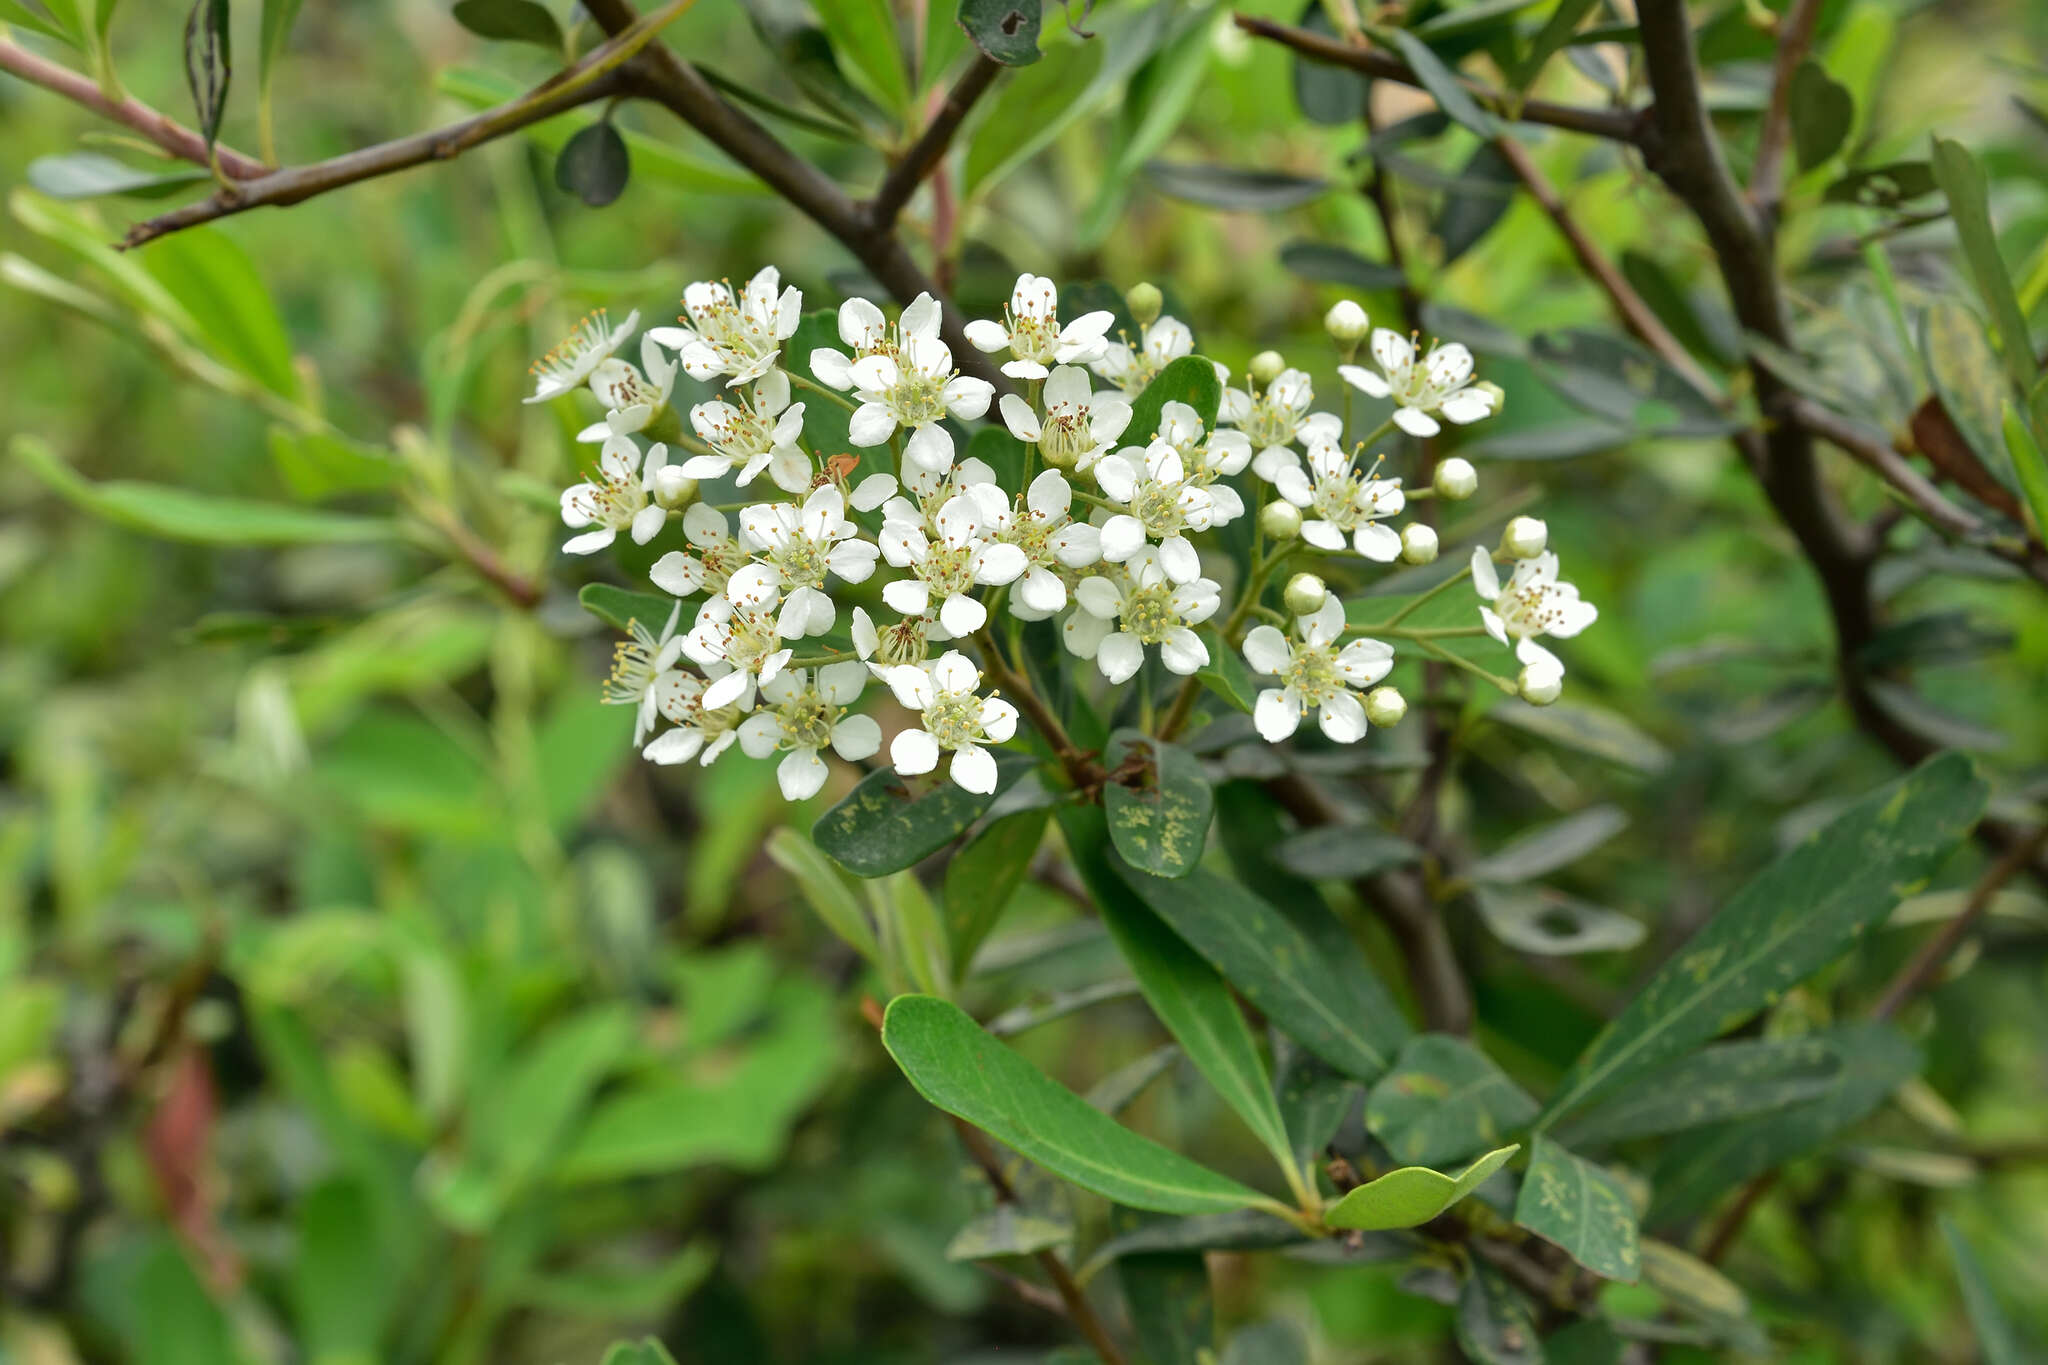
(57, 24)
(342, 1281)
(1442, 83)
(594, 165)
(278, 18)
(825, 890)
(1997, 1341)
(881, 827)
(1242, 1230)
(983, 876)
(1158, 804)
(1007, 1230)
(1485, 190)
(1822, 111)
(179, 514)
(1314, 1097)
(1569, 1201)
(88, 175)
(968, 1074)
(515, 21)
(1325, 996)
(916, 937)
(1340, 852)
(620, 607)
(1969, 206)
(1801, 913)
(863, 32)
(1332, 264)
(1714, 1085)
(2028, 465)
(1191, 380)
(1226, 674)
(209, 63)
(1006, 31)
(1443, 1101)
(1170, 1305)
(1888, 186)
(1412, 1195)
(1187, 994)
(1495, 1324)
(646, 1351)
(1325, 92)
(1549, 847)
(1588, 729)
(1550, 39)
(1231, 187)
(207, 272)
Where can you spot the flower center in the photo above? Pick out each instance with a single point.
(904, 643)
(1270, 423)
(609, 500)
(633, 667)
(953, 719)
(1149, 613)
(740, 434)
(728, 327)
(1067, 435)
(802, 562)
(946, 571)
(619, 384)
(749, 639)
(1157, 506)
(918, 398)
(1033, 338)
(1312, 671)
(573, 357)
(1529, 610)
(1032, 533)
(807, 720)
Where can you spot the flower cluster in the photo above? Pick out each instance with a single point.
(1102, 529)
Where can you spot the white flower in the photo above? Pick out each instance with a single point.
(1132, 368)
(1031, 331)
(718, 555)
(1274, 419)
(633, 396)
(912, 385)
(758, 433)
(569, 364)
(614, 498)
(737, 638)
(699, 733)
(1315, 675)
(1041, 527)
(1344, 501)
(802, 719)
(1439, 386)
(741, 337)
(794, 551)
(953, 718)
(1208, 457)
(906, 642)
(1533, 602)
(864, 331)
(948, 568)
(1147, 608)
(1162, 504)
(1080, 425)
(638, 663)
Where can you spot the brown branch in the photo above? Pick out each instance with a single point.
(165, 131)
(1635, 315)
(1767, 173)
(1920, 970)
(923, 156)
(1078, 1309)
(1615, 124)
(1084, 771)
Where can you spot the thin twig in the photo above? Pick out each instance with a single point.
(165, 131)
(1767, 172)
(924, 154)
(1080, 768)
(1615, 124)
(1921, 969)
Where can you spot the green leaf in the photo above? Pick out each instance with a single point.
(1718, 1083)
(1229, 187)
(1158, 804)
(881, 827)
(87, 175)
(637, 1289)
(342, 1280)
(1170, 1305)
(178, 514)
(1696, 1169)
(1495, 1324)
(1550, 39)
(207, 272)
(620, 608)
(1332, 264)
(1275, 1342)
(646, 1351)
(1822, 111)
(1699, 1291)
(1589, 1341)
(58, 24)
(1549, 847)
(1326, 93)
(1485, 189)
(825, 890)
(594, 165)
(1336, 853)
(1007, 1230)
(1587, 728)
(1569, 1201)
(1997, 1342)
(1443, 1101)
(1187, 994)
(1540, 920)
(1883, 187)
(1191, 380)
(1006, 31)
(1323, 994)
(1786, 924)
(864, 33)
(1226, 674)
(1969, 206)
(1156, 103)
(2028, 465)
(983, 876)
(968, 1074)
(1441, 82)
(209, 64)
(316, 465)
(1243, 1230)
(914, 934)
(1313, 1096)
(1412, 1195)
(278, 18)
(515, 21)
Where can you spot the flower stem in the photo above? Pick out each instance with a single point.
(839, 656)
(1247, 601)
(1404, 613)
(815, 387)
(1438, 651)
(1079, 769)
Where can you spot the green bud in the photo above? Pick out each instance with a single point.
(1346, 323)
(1456, 479)
(1305, 594)
(1418, 543)
(1265, 367)
(1144, 300)
(1280, 520)
(1524, 538)
(1539, 688)
(672, 490)
(1384, 707)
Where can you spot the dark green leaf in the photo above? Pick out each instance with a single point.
(1326, 997)
(278, 18)
(1326, 93)
(646, 1351)
(1412, 1195)
(1555, 33)
(594, 165)
(1551, 441)
(1696, 1169)
(863, 32)
(2030, 466)
(1479, 17)
(516, 21)
(983, 875)
(87, 175)
(209, 63)
(881, 827)
(1191, 380)
(1158, 804)
(1006, 31)
(1444, 1101)
(1969, 205)
(1278, 1342)
(963, 1071)
(1569, 1201)
(1702, 324)
(1540, 920)
(620, 608)
(1333, 264)
(1587, 728)
(1227, 187)
(1468, 214)
(1442, 83)
(1996, 1340)
(1314, 1097)
(1883, 187)
(1549, 847)
(1341, 852)
(1589, 1341)
(1227, 675)
(1612, 376)
(1168, 1297)
(1495, 1324)
(1242, 1230)
(1801, 913)
(1822, 112)
(1007, 1230)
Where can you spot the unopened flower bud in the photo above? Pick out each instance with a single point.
(1539, 687)
(1524, 538)
(1144, 300)
(1418, 543)
(671, 489)
(1499, 395)
(1384, 706)
(1456, 479)
(1305, 594)
(1346, 323)
(1265, 367)
(1280, 520)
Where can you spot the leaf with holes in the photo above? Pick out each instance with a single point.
(1540, 920)
(1006, 31)
(1569, 1201)
(594, 165)
(1412, 1195)
(1158, 803)
(1443, 1101)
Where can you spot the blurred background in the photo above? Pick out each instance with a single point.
(362, 998)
